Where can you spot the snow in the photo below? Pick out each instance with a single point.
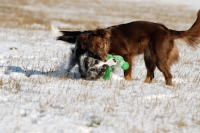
(35, 96)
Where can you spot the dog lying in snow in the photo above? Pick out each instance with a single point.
(91, 68)
(90, 65)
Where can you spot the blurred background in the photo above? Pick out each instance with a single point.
(90, 14)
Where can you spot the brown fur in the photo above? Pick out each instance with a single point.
(154, 40)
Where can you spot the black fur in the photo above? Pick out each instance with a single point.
(76, 53)
(90, 65)
(71, 36)
(92, 69)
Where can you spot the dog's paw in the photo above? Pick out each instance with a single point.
(111, 62)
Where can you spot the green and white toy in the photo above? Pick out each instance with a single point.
(120, 62)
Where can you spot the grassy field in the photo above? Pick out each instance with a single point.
(35, 96)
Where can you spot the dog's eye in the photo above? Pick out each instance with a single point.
(92, 69)
(105, 41)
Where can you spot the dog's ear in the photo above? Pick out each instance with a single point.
(102, 32)
(84, 40)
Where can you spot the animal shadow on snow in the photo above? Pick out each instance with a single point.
(60, 73)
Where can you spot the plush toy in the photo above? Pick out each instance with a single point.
(120, 62)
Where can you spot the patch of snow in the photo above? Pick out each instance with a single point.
(36, 95)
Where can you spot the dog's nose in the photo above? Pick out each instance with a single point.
(103, 57)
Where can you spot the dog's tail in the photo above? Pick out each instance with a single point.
(191, 36)
(55, 32)
(67, 36)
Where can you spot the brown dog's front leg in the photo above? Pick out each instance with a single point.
(128, 72)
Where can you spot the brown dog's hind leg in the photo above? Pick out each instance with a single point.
(165, 69)
(150, 60)
(162, 46)
(128, 72)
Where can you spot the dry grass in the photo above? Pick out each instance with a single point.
(19, 15)
(31, 74)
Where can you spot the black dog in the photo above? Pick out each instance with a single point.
(92, 69)
(90, 65)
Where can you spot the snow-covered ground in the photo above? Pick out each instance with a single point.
(35, 97)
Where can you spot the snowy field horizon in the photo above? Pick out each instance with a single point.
(35, 96)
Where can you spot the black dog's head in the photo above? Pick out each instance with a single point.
(95, 73)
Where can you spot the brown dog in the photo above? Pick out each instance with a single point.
(154, 40)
